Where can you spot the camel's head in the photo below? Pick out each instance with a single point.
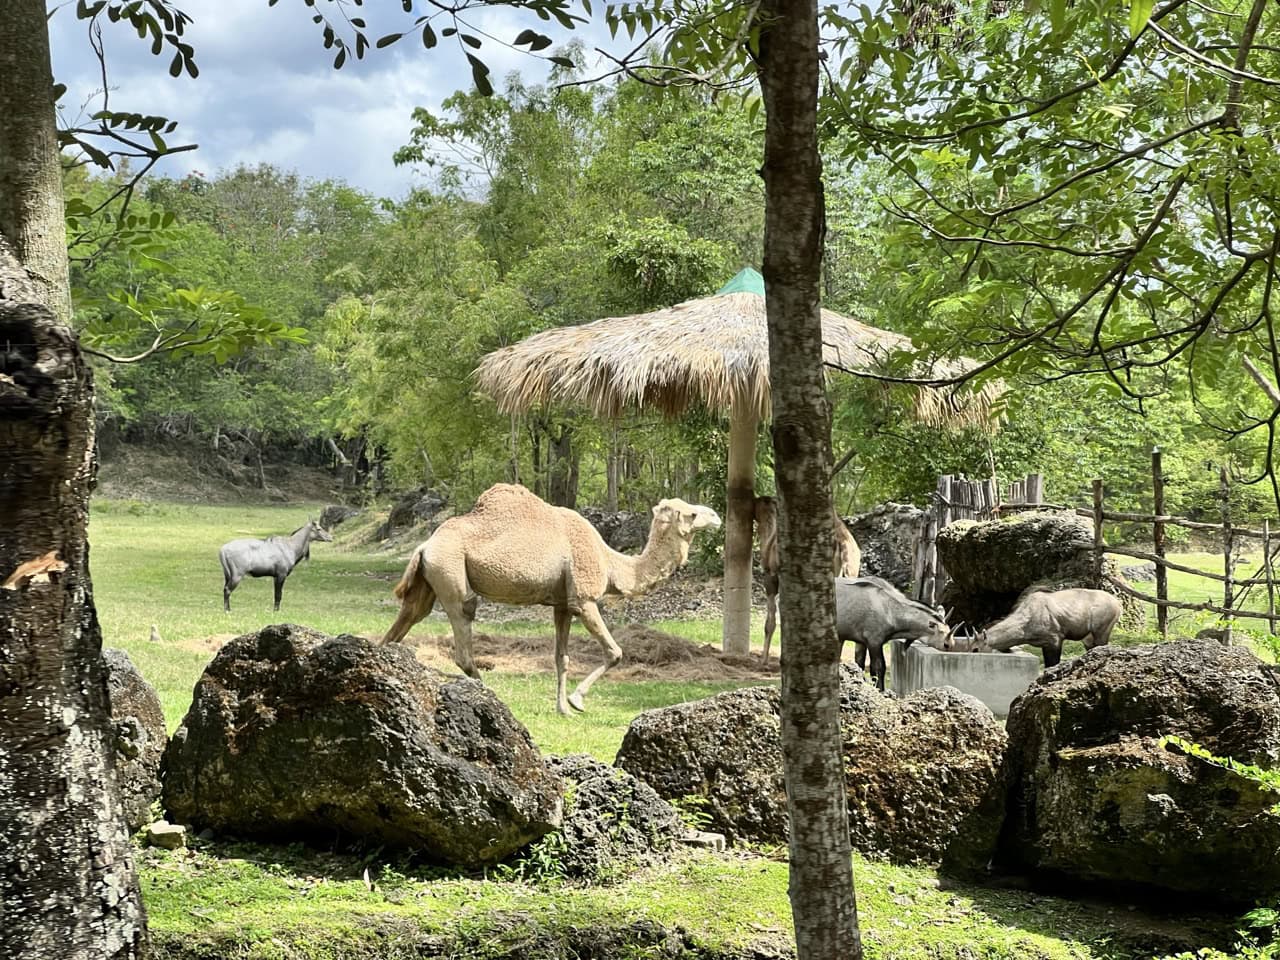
(682, 519)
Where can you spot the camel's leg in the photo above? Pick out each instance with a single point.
(590, 617)
(461, 616)
(770, 610)
(414, 605)
(563, 619)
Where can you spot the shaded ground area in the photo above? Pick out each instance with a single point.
(193, 473)
(648, 655)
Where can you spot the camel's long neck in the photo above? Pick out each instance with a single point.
(663, 554)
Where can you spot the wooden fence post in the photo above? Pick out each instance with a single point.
(1097, 531)
(1228, 589)
(1035, 488)
(1266, 570)
(942, 518)
(1157, 539)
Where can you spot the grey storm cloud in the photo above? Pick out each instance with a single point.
(268, 93)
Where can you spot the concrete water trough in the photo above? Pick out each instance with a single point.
(996, 679)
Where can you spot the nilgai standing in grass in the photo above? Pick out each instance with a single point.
(273, 557)
(515, 548)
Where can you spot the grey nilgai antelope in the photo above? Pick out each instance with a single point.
(273, 557)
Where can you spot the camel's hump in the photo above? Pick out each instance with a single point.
(508, 498)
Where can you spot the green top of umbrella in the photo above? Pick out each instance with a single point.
(746, 281)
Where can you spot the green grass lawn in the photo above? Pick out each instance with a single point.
(262, 902)
(156, 563)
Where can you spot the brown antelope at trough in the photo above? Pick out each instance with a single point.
(846, 562)
(1046, 618)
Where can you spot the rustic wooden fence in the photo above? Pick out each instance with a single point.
(959, 498)
(1235, 591)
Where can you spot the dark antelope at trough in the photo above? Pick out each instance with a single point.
(870, 612)
(273, 557)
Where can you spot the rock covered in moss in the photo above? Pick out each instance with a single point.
(612, 821)
(915, 769)
(140, 736)
(1094, 796)
(990, 564)
(919, 771)
(296, 734)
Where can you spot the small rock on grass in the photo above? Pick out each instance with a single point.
(170, 836)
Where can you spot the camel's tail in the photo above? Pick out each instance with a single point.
(416, 598)
(412, 573)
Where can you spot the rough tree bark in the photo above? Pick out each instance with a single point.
(821, 878)
(739, 513)
(68, 889)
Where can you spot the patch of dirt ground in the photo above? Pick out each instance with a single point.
(648, 654)
(189, 473)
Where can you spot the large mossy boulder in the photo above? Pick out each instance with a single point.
(296, 734)
(915, 769)
(138, 721)
(990, 563)
(612, 822)
(1093, 795)
(725, 749)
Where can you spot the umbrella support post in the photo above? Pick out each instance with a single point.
(740, 509)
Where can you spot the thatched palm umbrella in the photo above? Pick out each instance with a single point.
(714, 350)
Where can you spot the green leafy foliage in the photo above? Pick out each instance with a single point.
(1078, 189)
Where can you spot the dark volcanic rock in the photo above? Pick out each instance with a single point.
(612, 821)
(623, 531)
(725, 748)
(335, 514)
(887, 536)
(1093, 796)
(919, 771)
(417, 506)
(140, 736)
(915, 768)
(293, 733)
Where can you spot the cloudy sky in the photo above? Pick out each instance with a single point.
(267, 90)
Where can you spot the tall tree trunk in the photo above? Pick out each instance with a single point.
(562, 469)
(739, 511)
(535, 442)
(612, 466)
(68, 890)
(821, 880)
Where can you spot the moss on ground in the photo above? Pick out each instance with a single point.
(265, 903)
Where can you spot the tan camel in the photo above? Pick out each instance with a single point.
(515, 548)
(846, 561)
